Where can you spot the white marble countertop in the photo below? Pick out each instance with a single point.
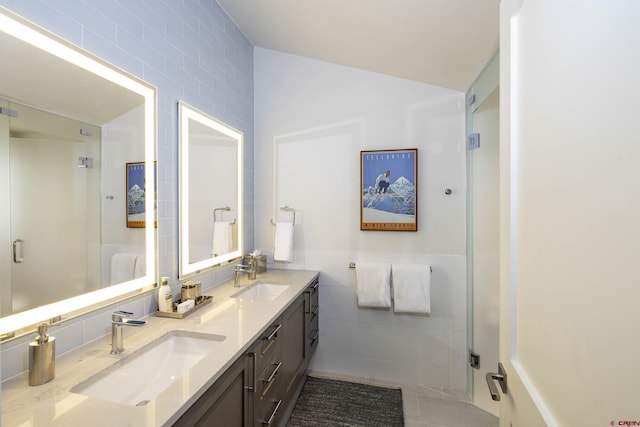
(240, 321)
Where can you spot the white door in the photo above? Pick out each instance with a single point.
(570, 210)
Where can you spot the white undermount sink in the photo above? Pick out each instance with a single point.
(145, 373)
(261, 292)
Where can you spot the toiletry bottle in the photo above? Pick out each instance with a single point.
(165, 299)
(42, 357)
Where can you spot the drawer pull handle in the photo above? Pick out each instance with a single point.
(273, 374)
(273, 414)
(315, 312)
(315, 336)
(311, 289)
(273, 334)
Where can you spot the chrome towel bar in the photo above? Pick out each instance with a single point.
(287, 209)
(353, 265)
(226, 208)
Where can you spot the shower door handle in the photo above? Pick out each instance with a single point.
(501, 377)
(17, 247)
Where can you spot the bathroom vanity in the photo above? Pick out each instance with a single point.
(262, 385)
(264, 335)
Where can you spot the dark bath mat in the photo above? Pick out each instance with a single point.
(325, 402)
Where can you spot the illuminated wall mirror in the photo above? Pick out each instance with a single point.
(211, 220)
(69, 125)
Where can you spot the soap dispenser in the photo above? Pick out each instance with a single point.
(42, 357)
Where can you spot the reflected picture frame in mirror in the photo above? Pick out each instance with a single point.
(47, 46)
(210, 181)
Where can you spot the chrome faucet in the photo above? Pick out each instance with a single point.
(250, 269)
(118, 320)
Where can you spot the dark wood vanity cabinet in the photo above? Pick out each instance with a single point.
(293, 353)
(299, 342)
(228, 402)
(311, 320)
(261, 388)
(268, 369)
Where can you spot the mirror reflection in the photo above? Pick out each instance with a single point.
(210, 191)
(69, 124)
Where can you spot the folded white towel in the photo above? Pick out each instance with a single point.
(284, 242)
(140, 268)
(222, 238)
(411, 288)
(373, 288)
(122, 267)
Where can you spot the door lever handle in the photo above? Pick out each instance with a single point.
(501, 377)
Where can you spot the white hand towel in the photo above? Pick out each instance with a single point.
(411, 288)
(140, 268)
(122, 267)
(373, 288)
(222, 238)
(284, 242)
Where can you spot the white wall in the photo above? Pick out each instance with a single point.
(312, 119)
(120, 146)
(211, 168)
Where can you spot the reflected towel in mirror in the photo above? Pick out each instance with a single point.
(222, 238)
(122, 267)
(284, 242)
(140, 268)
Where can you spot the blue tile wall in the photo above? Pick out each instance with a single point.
(189, 50)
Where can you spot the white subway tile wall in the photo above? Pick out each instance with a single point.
(309, 155)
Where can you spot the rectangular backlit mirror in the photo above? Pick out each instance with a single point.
(70, 123)
(211, 216)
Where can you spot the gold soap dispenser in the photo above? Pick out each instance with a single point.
(42, 357)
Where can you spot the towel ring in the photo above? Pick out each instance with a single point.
(287, 209)
(353, 265)
(226, 208)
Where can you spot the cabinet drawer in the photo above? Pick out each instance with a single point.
(270, 413)
(312, 316)
(269, 392)
(313, 292)
(312, 340)
(267, 378)
(267, 346)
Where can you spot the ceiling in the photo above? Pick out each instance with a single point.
(441, 42)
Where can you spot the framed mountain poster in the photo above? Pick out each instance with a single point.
(136, 194)
(389, 190)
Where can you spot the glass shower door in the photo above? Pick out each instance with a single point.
(5, 215)
(46, 184)
(51, 193)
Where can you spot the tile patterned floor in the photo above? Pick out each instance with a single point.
(430, 410)
(428, 407)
